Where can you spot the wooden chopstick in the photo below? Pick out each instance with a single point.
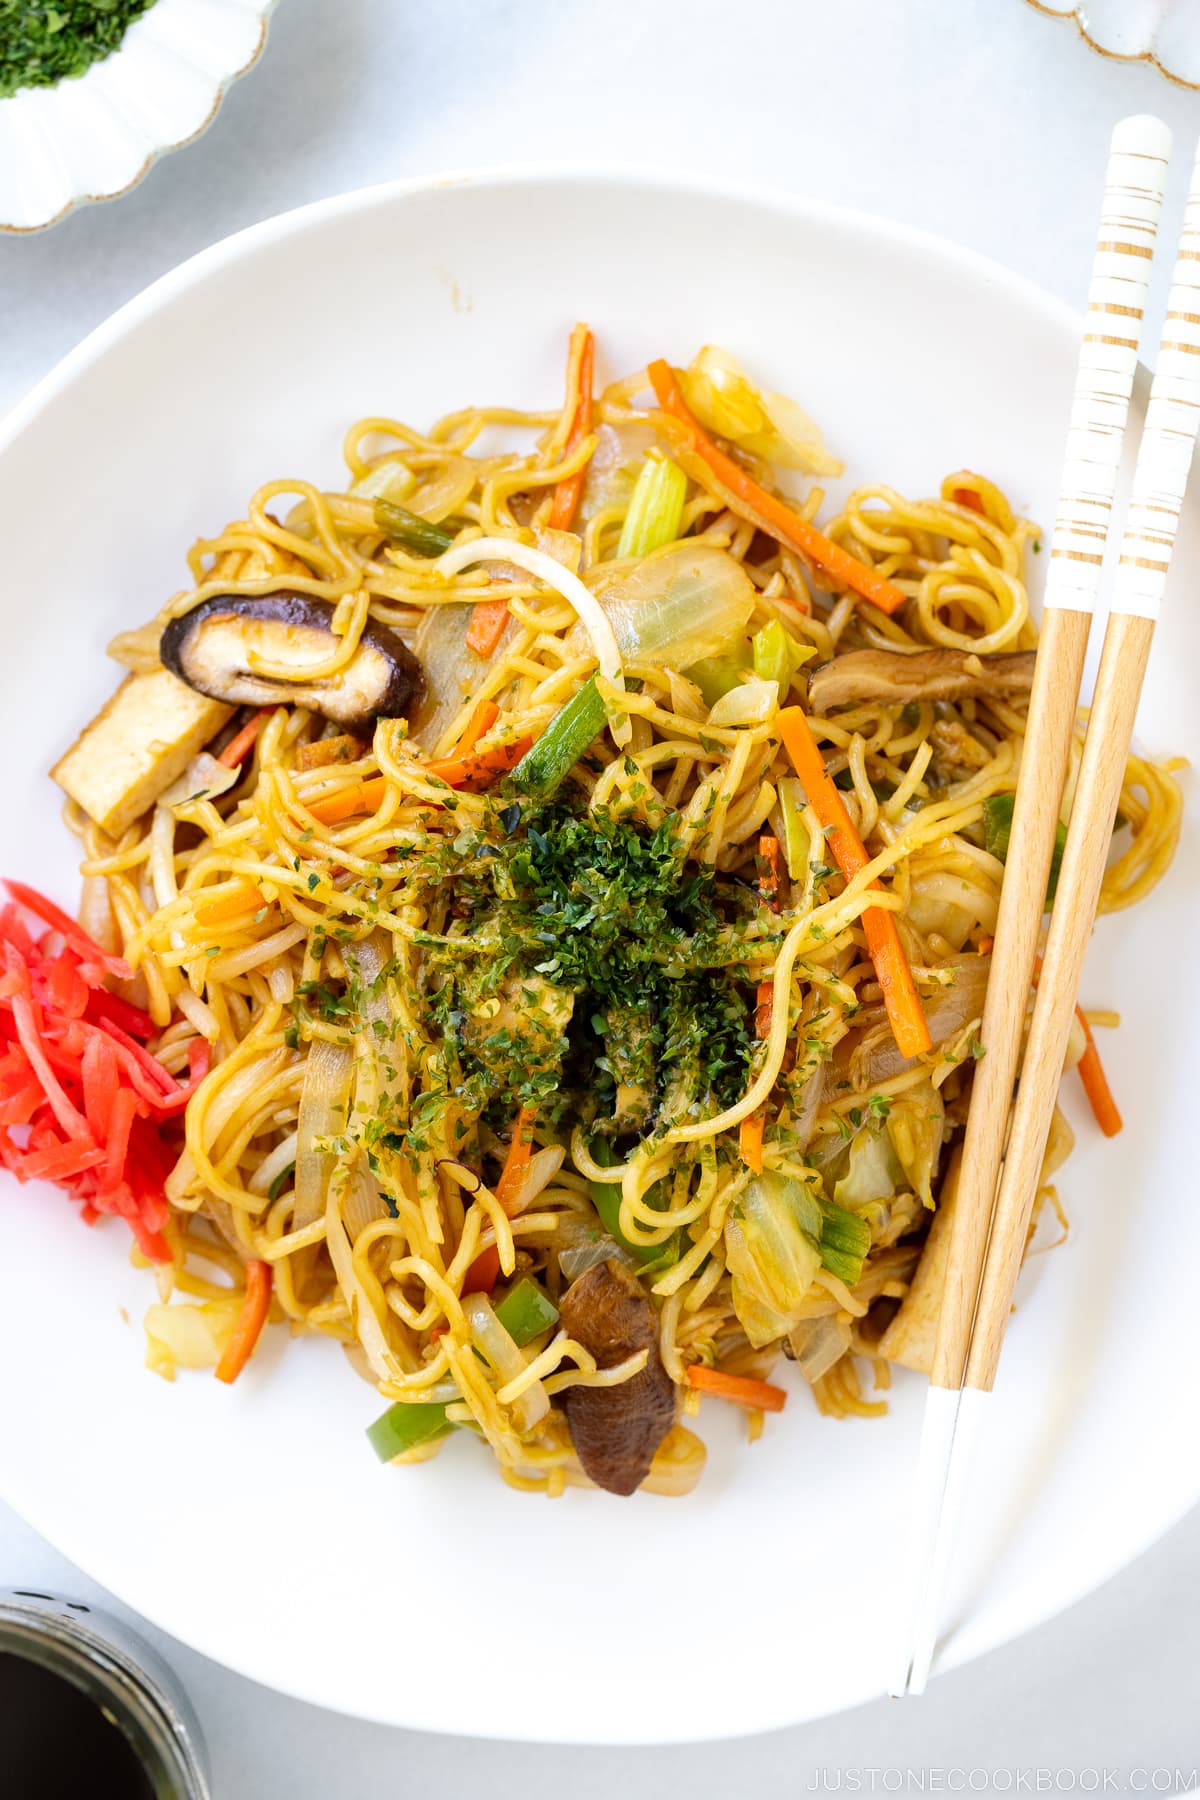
(1159, 482)
(1104, 381)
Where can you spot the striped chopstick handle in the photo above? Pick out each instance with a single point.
(1169, 434)
(1133, 195)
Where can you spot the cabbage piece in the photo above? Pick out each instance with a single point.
(723, 398)
(752, 702)
(915, 1126)
(771, 1251)
(189, 1337)
(680, 605)
(874, 1171)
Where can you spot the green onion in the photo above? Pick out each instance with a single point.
(419, 535)
(525, 1312)
(546, 766)
(777, 656)
(390, 480)
(276, 1187)
(796, 845)
(405, 1425)
(997, 829)
(656, 508)
(844, 1242)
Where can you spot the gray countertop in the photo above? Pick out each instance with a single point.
(977, 119)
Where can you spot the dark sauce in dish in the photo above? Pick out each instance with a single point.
(56, 1743)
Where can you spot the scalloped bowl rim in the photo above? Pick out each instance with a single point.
(85, 195)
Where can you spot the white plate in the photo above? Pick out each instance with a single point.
(255, 1523)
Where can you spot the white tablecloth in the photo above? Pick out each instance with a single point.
(978, 119)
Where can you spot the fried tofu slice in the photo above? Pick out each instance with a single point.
(137, 746)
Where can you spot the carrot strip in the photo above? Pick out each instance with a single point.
(900, 996)
(768, 873)
(1095, 1083)
(781, 520)
(480, 722)
(487, 626)
(968, 497)
(472, 773)
(566, 494)
(743, 1390)
(480, 768)
(360, 797)
(484, 1272)
(251, 1319)
(750, 1141)
(1105, 1110)
(516, 1163)
(229, 906)
(238, 748)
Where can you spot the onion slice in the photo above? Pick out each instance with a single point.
(324, 1098)
(592, 615)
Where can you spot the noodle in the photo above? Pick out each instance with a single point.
(286, 914)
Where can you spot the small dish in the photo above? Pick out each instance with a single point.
(1161, 32)
(94, 137)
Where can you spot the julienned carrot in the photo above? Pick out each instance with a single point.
(750, 1133)
(229, 906)
(768, 875)
(487, 626)
(238, 748)
(1105, 1110)
(251, 1319)
(516, 1163)
(566, 494)
(484, 1272)
(900, 996)
(472, 772)
(360, 797)
(480, 768)
(1095, 1082)
(743, 1390)
(479, 723)
(750, 1141)
(781, 520)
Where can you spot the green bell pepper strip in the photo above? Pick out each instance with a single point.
(419, 535)
(405, 1425)
(545, 766)
(606, 1198)
(525, 1312)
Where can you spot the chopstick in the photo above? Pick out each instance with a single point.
(1104, 381)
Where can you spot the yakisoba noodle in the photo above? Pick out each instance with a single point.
(647, 962)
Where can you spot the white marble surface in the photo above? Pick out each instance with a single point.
(978, 119)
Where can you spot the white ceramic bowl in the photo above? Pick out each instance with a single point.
(1165, 33)
(254, 1523)
(95, 136)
